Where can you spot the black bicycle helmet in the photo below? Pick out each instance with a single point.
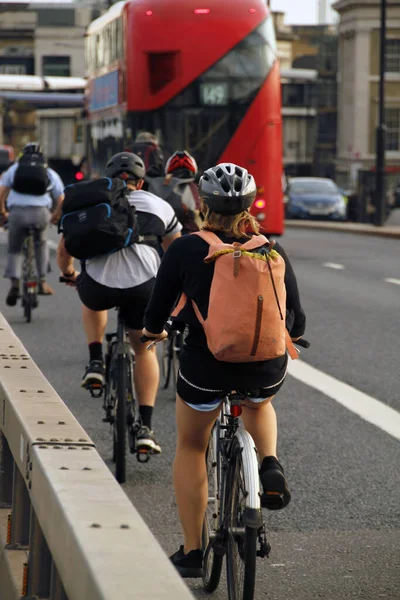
(32, 148)
(227, 189)
(125, 164)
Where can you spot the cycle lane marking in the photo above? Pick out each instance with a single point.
(392, 280)
(368, 408)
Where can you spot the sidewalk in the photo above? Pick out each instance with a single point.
(391, 229)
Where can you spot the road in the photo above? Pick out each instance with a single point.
(339, 537)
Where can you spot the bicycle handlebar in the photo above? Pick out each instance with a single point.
(62, 279)
(175, 331)
(303, 343)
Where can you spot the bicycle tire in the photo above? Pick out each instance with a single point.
(120, 430)
(241, 547)
(176, 348)
(212, 561)
(27, 303)
(166, 361)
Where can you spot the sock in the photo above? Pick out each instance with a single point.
(96, 351)
(146, 412)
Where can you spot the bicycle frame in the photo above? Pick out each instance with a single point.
(119, 353)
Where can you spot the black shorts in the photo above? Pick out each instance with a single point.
(203, 381)
(131, 301)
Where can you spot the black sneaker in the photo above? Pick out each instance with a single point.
(94, 376)
(276, 494)
(146, 442)
(188, 565)
(12, 296)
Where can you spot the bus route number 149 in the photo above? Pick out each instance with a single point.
(214, 94)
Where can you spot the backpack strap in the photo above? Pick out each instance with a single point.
(255, 242)
(290, 347)
(208, 236)
(180, 306)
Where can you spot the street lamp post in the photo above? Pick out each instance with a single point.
(380, 200)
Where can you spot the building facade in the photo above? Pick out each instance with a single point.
(299, 120)
(46, 41)
(358, 82)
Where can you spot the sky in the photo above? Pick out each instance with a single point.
(300, 12)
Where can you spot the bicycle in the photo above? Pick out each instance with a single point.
(29, 277)
(170, 351)
(120, 405)
(233, 524)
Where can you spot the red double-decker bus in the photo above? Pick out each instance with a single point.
(202, 75)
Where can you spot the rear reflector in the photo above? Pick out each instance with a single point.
(202, 11)
(236, 410)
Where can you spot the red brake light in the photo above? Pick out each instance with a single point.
(202, 11)
(260, 203)
(236, 410)
(79, 176)
(149, 13)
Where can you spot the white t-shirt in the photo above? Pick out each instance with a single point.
(138, 263)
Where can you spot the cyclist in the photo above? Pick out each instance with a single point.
(31, 191)
(125, 279)
(178, 188)
(203, 380)
(147, 146)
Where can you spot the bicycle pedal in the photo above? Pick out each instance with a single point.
(96, 390)
(143, 456)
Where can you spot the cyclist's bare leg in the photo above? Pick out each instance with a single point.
(190, 470)
(94, 324)
(147, 370)
(260, 421)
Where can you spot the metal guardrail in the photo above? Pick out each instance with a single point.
(67, 529)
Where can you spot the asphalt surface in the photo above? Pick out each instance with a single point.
(339, 537)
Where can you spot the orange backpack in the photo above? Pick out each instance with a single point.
(247, 306)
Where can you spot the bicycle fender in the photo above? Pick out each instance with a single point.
(250, 467)
(252, 517)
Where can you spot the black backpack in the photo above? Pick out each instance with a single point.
(152, 157)
(98, 218)
(31, 175)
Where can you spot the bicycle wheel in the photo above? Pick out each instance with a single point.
(177, 344)
(120, 421)
(212, 550)
(27, 305)
(166, 361)
(242, 518)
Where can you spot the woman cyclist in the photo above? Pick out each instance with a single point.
(203, 381)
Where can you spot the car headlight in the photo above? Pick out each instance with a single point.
(341, 205)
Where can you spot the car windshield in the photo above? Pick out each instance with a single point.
(322, 186)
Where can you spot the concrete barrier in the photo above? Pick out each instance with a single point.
(67, 529)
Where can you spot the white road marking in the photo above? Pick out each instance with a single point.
(333, 266)
(368, 408)
(392, 280)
